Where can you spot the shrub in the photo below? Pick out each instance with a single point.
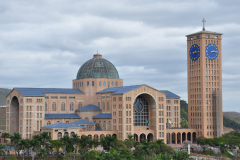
(11, 158)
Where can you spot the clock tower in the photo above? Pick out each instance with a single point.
(204, 66)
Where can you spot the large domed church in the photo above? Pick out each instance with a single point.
(97, 105)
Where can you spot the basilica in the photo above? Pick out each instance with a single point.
(99, 105)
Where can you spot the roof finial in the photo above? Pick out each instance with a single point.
(203, 24)
(97, 51)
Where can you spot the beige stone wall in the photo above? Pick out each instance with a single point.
(90, 90)
(173, 111)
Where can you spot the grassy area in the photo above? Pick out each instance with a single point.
(228, 155)
(2, 118)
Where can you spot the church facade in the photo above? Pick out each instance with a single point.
(98, 104)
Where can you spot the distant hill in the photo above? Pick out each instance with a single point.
(233, 113)
(3, 93)
(234, 116)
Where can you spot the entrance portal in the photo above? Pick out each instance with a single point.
(14, 115)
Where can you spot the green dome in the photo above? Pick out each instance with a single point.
(97, 68)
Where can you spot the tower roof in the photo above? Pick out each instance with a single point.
(97, 67)
(204, 32)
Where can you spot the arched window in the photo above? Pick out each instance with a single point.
(104, 83)
(86, 119)
(112, 84)
(71, 106)
(108, 84)
(48, 123)
(66, 134)
(99, 105)
(100, 83)
(63, 106)
(54, 106)
(116, 84)
(80, 105)
(67, 122)
(71, 135)
(59, 135)
(108, 106)
(103, 104)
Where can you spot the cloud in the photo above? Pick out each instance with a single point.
(44, 43)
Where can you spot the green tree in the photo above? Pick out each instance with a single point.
(129, 142)
(92, 155)
(65, 140)
(126, 154)
(85, 143)
(44, 139)
(95, 143)
(2, 147)
(108, 142)
(42, 153)
(180, 155)
(56, 144)
(22, 144)
(113, 155)
(163, 157)
(5, 135)
(35, 144)
(14, 140)
(222, 148)
(75, 141)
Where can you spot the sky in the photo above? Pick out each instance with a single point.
(44, 43)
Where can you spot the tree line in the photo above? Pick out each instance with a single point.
(83, 148)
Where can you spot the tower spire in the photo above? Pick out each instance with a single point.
(203, 24)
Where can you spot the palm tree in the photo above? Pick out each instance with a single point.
(14, 140)
(222, 148)
(42, 153)
(5, 135)
(95, 143)
(1, 149)
(22, 144)
(108, 142)
(35, 144)
(44, 138)
(84, 142)
(65, 141)
(75, 141)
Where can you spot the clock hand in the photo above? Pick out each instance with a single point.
(214, 51)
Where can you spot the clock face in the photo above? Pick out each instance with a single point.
(194, 52)
(211, 51)
(138, 106)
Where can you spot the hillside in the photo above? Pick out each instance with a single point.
(235, 116)
(3, 94)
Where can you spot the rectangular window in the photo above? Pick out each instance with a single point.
(71, 97)
(207, 36)
(87, 83)
(54, 97)
(191, 38)
(92, 83)
(215, 37)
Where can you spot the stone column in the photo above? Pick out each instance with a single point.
(180, 138)
(175, 138)
(170, 138)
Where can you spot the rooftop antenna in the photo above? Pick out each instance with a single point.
(203, 24)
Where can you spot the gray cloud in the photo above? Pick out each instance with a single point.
(43, 43)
